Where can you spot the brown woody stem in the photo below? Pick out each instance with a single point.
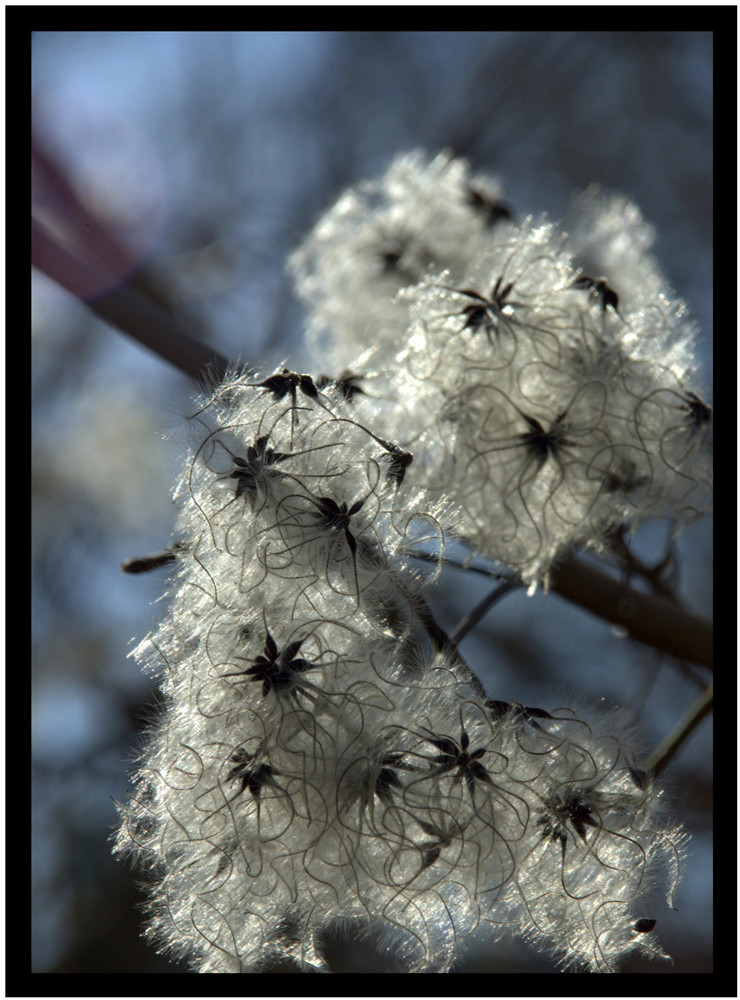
(649, 618)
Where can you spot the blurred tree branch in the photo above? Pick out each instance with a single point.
(128, 310)
(79, 251)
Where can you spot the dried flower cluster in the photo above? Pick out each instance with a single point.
(323, 756)
(550, 403)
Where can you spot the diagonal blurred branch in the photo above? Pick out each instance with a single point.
(126, 309)
(78, 250)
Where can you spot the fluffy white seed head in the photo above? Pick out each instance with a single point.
(553, 404)
(321, 760)
(322, 757)
(382, 236)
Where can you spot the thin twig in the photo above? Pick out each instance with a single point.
(480, 610)
(661, 758)
(654, 575)
(648, 618)
(447, 644)
(145, 564)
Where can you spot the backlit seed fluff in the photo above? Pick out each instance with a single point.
(320, 759)
(323, 758)
(552, 403)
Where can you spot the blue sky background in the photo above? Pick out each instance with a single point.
(217, 151)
